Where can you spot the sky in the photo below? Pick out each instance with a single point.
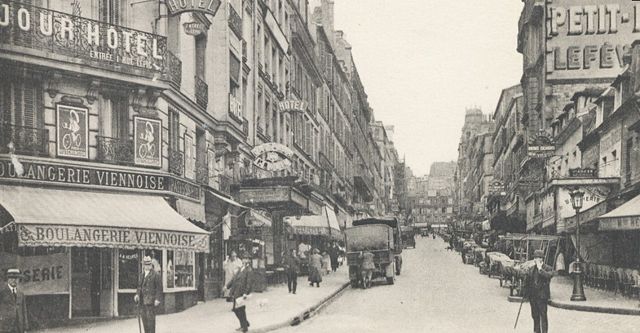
(422, 62)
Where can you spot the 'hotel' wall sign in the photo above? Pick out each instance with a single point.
(176, 7)
(272, 156)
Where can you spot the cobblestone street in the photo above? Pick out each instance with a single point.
(437, 293)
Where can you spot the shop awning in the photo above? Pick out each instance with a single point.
(259, 220)
(56, 217)
(625, 217)
(325, 224)
(225, 199)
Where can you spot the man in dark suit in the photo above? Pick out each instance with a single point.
(240, 288)
(13, 306)
(292, 266)
(537, 290)
(149, 295)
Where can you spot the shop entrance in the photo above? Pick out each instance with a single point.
(91, 282)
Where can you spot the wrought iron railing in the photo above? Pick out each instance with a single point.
(99, 43)
(173, 70)
(176, 162)
(26, 140)
(224, 184)
(114, 150)
(202, 92)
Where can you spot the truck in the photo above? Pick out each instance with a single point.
(408, 236)
(380, 236)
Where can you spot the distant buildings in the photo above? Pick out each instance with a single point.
(430, 197)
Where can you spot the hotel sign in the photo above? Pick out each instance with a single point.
(59, 33)
(86, 176)
(292, 106)
(587, 39)
(272, 156)
(128, 238)
(176, 7)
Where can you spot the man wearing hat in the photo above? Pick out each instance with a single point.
(13, 307)
(537, 290)
(148, 295)
(240, 287)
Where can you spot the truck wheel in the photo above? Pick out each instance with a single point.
(391, 280)
(354, 284)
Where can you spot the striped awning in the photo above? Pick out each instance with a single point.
(63, 217)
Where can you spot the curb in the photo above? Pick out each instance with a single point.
(591, 308)
(306, 314)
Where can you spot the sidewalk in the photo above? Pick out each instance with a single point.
(597, 300)
(266, 311)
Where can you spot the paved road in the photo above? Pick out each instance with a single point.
(437, 293)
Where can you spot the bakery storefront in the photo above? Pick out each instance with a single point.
(80, 247)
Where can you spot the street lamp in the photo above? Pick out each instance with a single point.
(578, 291)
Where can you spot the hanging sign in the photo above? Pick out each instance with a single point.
(194, 28)
(272, 156)
(73, 131)
(176, 7)
(541, 146)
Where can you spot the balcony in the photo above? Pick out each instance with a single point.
(114, 150)
(176, 162)
(173, 70)
(83, 41)
(202, 92)
(26, 140)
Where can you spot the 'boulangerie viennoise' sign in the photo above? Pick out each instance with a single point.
(71, 235)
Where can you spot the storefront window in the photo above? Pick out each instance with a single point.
(129, 265)
(180, 269)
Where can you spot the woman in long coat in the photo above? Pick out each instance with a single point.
(315, 267)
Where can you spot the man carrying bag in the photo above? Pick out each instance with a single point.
(240, 287)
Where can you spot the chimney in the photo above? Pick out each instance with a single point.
(327, 20)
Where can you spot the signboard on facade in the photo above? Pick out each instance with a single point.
(176, 7)
(620, 223)
(272, 156)
(45, 274)
(64, 34)
(73, 131)
(587, 39)
(83, 176)
(96, 236)
(292, 106)
(194, 28)
(541, 145)
(496, 187)
(147, 141)
(583, 173)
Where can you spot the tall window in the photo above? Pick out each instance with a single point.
(21, 102)
(201, 47)
(109, 11)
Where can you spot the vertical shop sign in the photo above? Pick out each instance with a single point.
(72, 131)
(147, 141)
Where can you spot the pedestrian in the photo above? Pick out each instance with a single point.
(240, 288)
(315, 267)
(148, 295)
(231, 266)
(334, 252)
(13, 306)
(368, 266)
(292, 267)
(326, 263)
(537, 290)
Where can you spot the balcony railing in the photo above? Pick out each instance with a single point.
(176, 162)
(26, 140)
(202, 92)
(114, 150)
(173, 70)
(98, 44)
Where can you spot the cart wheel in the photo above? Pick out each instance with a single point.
(391, 280)
(354, 284)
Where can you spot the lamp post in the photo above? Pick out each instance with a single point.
(578, 291)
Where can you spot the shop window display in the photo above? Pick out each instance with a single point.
(129, 263)
(180, 269)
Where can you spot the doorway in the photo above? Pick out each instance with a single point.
(91, 282)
